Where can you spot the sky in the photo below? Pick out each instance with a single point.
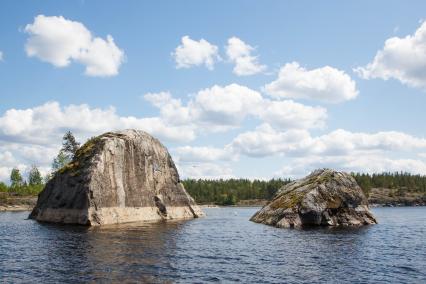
(252, 89)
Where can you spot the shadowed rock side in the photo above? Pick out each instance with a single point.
(323, 198)
(117, 177)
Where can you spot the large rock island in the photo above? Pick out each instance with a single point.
(323, 198)
(118, 177)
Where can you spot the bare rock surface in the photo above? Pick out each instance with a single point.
(323, 198)
(117, 177)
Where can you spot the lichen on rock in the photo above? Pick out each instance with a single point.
(323, 198)
(117, 177)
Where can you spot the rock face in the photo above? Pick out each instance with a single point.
(117, 177)
(323, 198)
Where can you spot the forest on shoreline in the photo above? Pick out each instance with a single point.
(232, 191)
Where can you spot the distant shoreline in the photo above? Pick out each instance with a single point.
(27, 203)
(372, 205)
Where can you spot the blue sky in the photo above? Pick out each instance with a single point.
(380, 120)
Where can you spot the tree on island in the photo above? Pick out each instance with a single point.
(67, 152)
(69, 145)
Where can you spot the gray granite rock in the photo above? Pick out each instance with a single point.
(118, 177)
(323, 198)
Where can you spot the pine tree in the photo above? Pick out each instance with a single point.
(69, 145)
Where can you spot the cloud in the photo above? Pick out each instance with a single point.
(225, 106)
(45, 124)
(240, 54)
(7, 158)
(59, 42)
(171, 110)
(302, 152)
(205, 171)
(365, 163)
(325, 84)
(403, 59)
(266, 141)
(339, 149)
(291, 115)
(203, 154)
(221, 108)
(1, 55)
(342, 141)
(195, 53)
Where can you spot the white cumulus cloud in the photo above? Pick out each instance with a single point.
(205, 171)
(288, 114)
(220, 108)
(240, 53)
(60, 41)
(45, 124)
(195, 53)
(358, 162)
(403, 59)
(265, 141)
(325, 84)
(203, 154)
(225, 106)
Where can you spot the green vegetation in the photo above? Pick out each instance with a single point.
(229, 192)
(34, 176)
(16, 179)
(69, 145)
(20, 187)
(69, 149)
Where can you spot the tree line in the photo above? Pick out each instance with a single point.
(229, 192)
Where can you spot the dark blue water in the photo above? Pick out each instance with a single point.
(223, 247)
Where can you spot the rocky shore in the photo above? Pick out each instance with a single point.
(393, 198)
(17, 203)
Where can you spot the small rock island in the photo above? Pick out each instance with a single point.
(323, 198)
(117, 177)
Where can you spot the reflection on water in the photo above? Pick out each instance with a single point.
(223, 247)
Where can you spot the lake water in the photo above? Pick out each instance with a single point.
(222, 247)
